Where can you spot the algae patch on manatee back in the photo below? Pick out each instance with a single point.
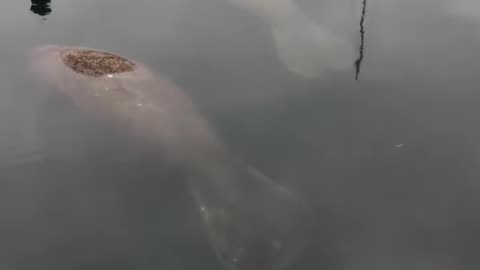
(96, 63)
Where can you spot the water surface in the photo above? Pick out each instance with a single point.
(390, 161)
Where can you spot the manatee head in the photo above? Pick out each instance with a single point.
(127, 95)
(94, 78)
(86, 61)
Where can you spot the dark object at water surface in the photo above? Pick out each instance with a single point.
(40, 7)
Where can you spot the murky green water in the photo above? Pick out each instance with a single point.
(389, 161)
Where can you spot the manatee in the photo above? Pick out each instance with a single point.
(251, 222)
(305, 47)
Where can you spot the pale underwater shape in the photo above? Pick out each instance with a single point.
(146, 106)
(469, 9)
(311, 50)
(304, 46)
(251, 222)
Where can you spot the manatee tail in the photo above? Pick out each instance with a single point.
(251, 221)
(304, 46)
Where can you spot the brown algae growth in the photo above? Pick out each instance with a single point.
(96, 63)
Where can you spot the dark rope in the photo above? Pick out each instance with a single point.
(358, 62)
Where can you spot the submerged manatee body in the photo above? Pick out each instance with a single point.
(303, 46)
(251, 222)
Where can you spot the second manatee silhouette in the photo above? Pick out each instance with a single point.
(303, 46)
(251, 222)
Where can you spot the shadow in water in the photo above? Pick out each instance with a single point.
(41, 7)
